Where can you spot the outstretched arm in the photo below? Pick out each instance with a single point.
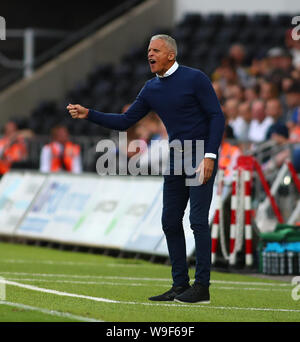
(120, 122)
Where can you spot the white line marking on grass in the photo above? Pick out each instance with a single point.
(233, 282)
(75, 276)
(105, 300)
(83, 282)
(50, 312)
(73, 263)
(48, 262)
(249, 288)
(207, 306)
(140, 284)
(58, 293)
(86, 276)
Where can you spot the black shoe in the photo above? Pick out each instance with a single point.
(195, 294)
(171, 294)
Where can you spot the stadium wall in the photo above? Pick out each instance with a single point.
(53, 80)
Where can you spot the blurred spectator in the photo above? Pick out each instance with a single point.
(140, 138)
(157, 155)
(294, 48)
(238, 116)
(274, 111)
(232, 115)
(294, 126)
(229, 154)
(268, 91)
(259, 67)
(280, 62)
(133, 146)
(226, 73)
(294, 130)
(286, 83)
(245, 116)
(292, 99)
(293, 95)
(12, 147)
(237, 53)
(219, 92)
(260, 122)
(234, 91)
(280, 136)
(150, 125)
(251, 93)
(142, 130)
(61, 154)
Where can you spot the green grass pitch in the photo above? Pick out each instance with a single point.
(48, 285)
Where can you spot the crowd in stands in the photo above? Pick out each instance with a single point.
(259, 94)
(261, 102)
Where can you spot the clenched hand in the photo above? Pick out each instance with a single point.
(77, 111)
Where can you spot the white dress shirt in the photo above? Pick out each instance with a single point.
(258, 130)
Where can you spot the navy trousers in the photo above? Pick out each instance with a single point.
(175, 198)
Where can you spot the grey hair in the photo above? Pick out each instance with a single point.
(170, 42)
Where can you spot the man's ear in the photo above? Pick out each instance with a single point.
(171, 56)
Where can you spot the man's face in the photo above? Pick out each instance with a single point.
(160, 57)
(293, 99)
(258, 111)
(231, 108)
(245, 111)
(61, 135)
(273, 108)
(10, 128)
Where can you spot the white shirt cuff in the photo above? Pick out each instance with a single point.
(210, 155)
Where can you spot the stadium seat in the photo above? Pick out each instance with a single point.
(215, 19)
(259, 20)
(192, 20)
(281, 20)
(203, 34)
(227, 35)
(237, 20)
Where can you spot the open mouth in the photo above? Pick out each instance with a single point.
(152, 61)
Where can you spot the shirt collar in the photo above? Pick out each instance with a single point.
(169, 72)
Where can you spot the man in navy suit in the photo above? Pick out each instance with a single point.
(185, 100)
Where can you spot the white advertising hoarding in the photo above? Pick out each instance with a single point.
(114, 215)
(121, 212)
(17, 191)
(57, 207)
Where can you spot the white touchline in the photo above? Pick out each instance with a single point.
(139, 284)
(58, 293)
(141, 278)
(105, 300)
(73, 263)
(50, 312)
(84, 276)
(83, 282)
